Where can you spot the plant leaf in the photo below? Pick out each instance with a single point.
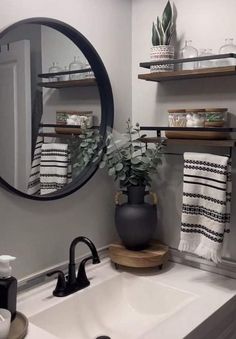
(160, 32)
(167, 16)
(119, 166)
(102, 164)
(155, 37)
(112, 171)
(135, 161)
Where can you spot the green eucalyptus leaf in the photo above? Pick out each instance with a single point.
(119, 166)
(84, 144)
(112, 171)
(135, 161)
(102, 164)
(122, 177)
(145, 160)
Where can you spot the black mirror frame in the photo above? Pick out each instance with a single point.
(106, 98)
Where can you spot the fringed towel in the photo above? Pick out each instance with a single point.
(55, 167)
(206, 204)
(34, 180)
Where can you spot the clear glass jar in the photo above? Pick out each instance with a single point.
(228, 47)
(75, 65)
(54, 69)
(89, 74)
(65, 77)
(195, 117)
(215, 117)
(189, 52)
(206, 63)
(177, 118)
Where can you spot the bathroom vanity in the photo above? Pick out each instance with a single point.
(177, 302)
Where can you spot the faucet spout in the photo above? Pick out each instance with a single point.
(72, 269)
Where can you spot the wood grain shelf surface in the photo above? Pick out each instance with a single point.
(155, 255)
(68, 83)
(189, 74)
(196, 142)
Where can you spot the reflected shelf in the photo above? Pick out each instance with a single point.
(69, 83)
(53, 74)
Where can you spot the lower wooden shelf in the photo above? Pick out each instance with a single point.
(195, 142)
(155, 255)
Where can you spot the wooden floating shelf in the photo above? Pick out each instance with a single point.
(69, 83)
(186, 142)
(189, 74)
(155, 255)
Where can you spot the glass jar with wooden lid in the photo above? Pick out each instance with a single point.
(215, 117)
(195, 117)
(177, 118)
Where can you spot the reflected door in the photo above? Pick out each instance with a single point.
(15, 114)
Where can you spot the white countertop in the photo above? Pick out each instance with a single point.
(213, 291)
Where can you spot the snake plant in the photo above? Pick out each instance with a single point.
(163, 29)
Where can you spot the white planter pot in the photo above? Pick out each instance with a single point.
(162, 52)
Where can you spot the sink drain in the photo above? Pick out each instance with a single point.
(103, 337)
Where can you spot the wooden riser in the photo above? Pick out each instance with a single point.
(155, 255)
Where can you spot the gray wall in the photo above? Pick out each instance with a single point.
(38, 234)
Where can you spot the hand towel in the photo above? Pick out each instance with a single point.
(206, 204)
(55, 167)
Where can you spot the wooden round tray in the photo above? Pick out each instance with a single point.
(19, 327)
(155, 255)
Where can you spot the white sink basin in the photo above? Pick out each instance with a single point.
(125, 306)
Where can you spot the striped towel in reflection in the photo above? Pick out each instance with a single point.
(55, 167)
(34, 180)
(206, 204)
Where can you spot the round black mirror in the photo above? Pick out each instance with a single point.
(54, 92)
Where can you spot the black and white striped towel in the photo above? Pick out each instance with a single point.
(206, 204)
(34, 180)
(55, 167)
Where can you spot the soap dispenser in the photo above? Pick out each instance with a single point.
(8, 285)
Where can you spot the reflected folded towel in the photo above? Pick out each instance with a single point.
(206, 204)
(55, 167)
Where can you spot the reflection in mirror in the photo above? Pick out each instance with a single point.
(50, 110)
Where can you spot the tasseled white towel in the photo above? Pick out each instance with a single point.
(55, 167)
(206, 204)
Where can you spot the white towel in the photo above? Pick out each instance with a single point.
(55, 167)
(206, 204)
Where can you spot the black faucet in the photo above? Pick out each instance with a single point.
(72, 283)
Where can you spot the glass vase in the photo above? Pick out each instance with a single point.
(189, 52)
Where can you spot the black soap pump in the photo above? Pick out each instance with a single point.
(8, 285)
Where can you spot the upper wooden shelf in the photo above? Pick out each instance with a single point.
(189, 74)
(69, 83)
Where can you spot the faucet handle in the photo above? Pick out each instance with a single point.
(61, 283)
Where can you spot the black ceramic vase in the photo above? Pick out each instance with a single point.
(136, 220)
